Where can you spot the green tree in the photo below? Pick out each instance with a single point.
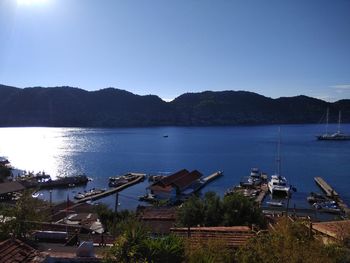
(191, 213)
(21, 218)
(212, 209)
(4, 173)
(239, 210)
(111, 220)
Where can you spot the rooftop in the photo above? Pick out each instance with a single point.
(16, 251)
(336, 229)
(233, 237)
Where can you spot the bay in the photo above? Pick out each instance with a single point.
(101, 153)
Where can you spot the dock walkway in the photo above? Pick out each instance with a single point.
(331, 193)
(212, 177)
(111, 191)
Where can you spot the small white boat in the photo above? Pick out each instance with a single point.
(275, 203)
(35, 194)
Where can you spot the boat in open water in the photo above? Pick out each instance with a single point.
(337, 136)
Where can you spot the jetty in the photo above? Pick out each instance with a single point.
(138, 178)
(332, 194)
(212, 177)
(208, 179)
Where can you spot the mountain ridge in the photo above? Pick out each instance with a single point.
(110, 107)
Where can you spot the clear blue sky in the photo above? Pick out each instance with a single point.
(168, 47)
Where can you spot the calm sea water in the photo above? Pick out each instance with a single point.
(101, 153)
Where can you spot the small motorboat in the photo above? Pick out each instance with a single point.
(315, 198)
(147, 197)
(35, 194)
(275, 203)
(79, 196)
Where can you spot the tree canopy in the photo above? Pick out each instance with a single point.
(232, 210)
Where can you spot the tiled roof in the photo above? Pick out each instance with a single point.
(157, 213)
(180, 179)
(15, 251)
(335, 229)
(160, 188)
(233, 237)
(187, 180)
(172, 178)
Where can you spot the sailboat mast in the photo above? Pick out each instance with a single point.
(327, 119)
(339, 120)
(278, 159)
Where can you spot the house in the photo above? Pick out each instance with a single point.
(176, 184)
(158, 220)
(332, 231)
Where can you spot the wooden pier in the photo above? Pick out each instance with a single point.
(331, 193)
(111, 191)
(212, 177)
(208, 179)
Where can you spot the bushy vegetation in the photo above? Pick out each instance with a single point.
(135, 244)
(291, 242)
(209, 251)
(18, 220)
(112, 220)
(232, 210)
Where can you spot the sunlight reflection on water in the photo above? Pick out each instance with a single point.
(38, 149)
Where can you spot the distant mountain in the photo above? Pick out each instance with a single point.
(73, 107)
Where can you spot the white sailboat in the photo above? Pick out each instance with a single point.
(337, 136)
(278, 184)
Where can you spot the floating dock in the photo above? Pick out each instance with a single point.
(111, 191)
(331, 193)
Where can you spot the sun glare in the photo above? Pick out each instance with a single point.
(31, 2)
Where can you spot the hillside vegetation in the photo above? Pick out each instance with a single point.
(73, 107)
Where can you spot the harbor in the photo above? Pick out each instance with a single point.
(332, 194)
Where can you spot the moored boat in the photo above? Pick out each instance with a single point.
(275, 203)
(91, 193)
(278, 185)
(328, 207)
